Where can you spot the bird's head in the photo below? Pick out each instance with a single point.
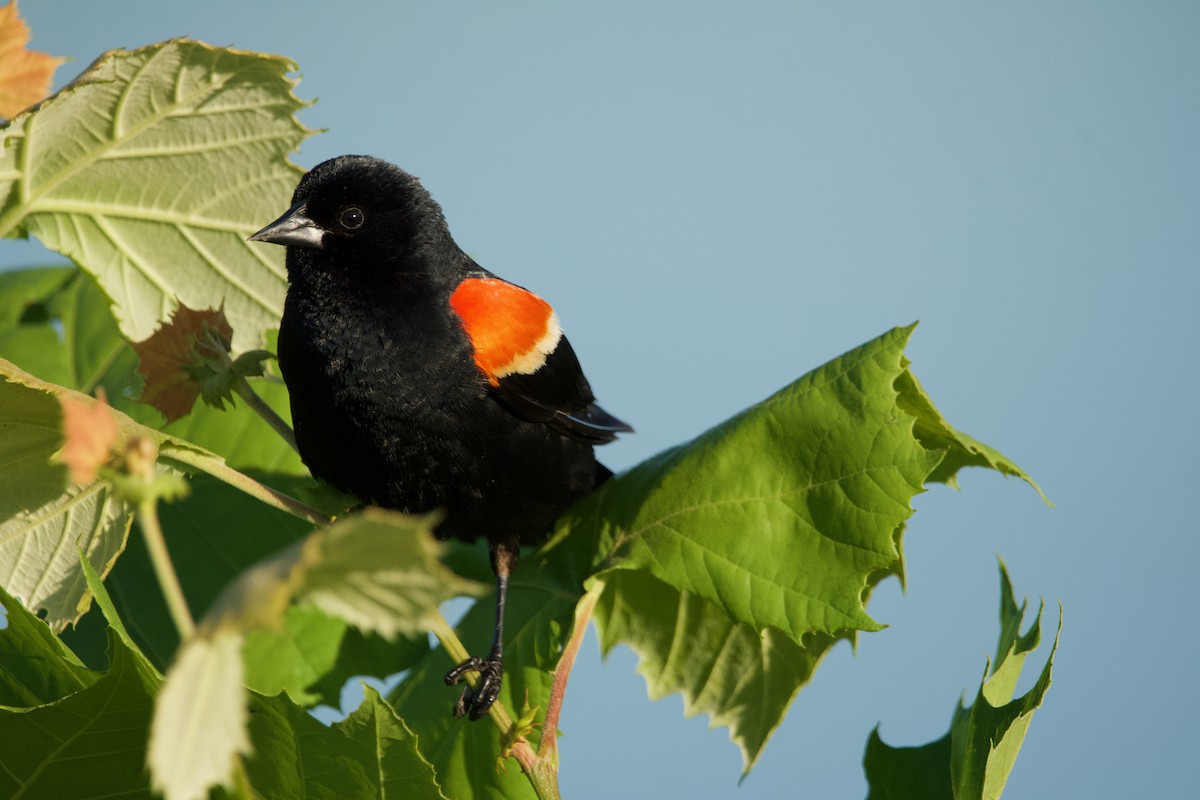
(361, 205)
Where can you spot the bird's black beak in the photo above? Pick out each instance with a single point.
(293, 229)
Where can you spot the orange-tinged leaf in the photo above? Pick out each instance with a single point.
(24, 74)
(89, 435)
(176, 353)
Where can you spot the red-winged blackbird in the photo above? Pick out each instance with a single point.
(419, 380)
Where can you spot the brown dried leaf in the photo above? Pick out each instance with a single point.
(24, 74)
(89, 434)
(176, 353)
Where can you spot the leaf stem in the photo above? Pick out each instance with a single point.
(223, 472)
(164, 570)
(260, 407)
(548, 746)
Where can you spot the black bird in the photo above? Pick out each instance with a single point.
(419, 380)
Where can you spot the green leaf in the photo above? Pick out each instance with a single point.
(56, 321)
(974, 759)
(733, 562)
(961, 450)
(35, 667)
(389, 749)
(363, 653)
(381, 571)
(43, 520)
(744, 679)
(371, 754)
(781, 515)
(44, 523)
(907, 773)
(294, 656)
(89, 744)
(151, 169)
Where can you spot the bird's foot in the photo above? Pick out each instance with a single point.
(476, 701)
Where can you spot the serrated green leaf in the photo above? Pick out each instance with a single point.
(763, 537)
(743, 678)
(972, 761)
(781, 515)
(986, 737)
(151, 169)
(296, 756)
(936, 433)
(90, 744)
(380, 571)
(389, 750)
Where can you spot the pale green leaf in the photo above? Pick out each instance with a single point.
(151, 169)
(199, 726)
(44, 523)
(380, 571)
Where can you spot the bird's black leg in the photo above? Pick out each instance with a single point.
(475, 702)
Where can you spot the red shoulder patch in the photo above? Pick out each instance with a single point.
(511, 329)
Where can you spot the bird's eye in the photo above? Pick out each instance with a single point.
(352, 219)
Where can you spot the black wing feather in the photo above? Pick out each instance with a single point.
(558, 395)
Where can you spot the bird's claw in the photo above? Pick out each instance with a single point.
(475, 701)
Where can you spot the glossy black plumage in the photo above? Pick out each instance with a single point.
(388, 402)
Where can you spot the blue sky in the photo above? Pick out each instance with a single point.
(720, 197)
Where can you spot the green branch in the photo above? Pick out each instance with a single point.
(238, 480)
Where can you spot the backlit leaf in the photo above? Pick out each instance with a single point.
(151, 169)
